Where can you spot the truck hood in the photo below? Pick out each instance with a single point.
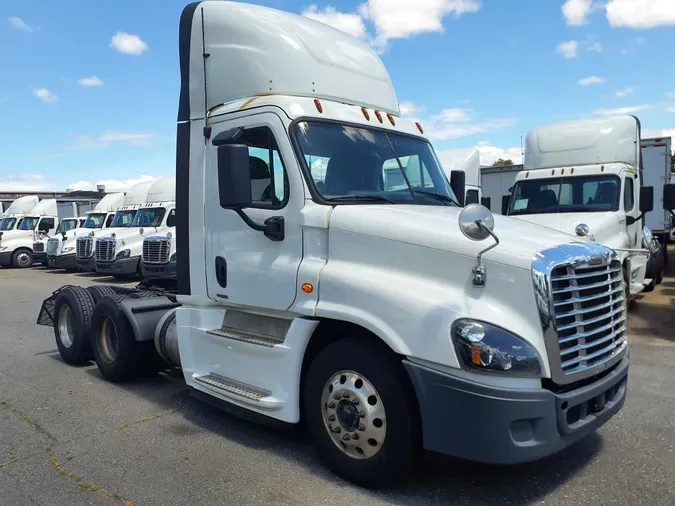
(13, 234)
(130, 235)
(437, 227)
(605, 228)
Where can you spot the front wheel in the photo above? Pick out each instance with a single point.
(362, 414)
(22, 258)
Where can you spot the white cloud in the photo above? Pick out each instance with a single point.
(648, 133)
(90, 81)
(111, 185)
(576, 11)
(621, 110)
(45, 95)
(23, 182)
(128, 43)
(568, 49)
(351, 24)
(457, 123)
(32, 177)
(408, 108)
(20, 24)
(596, 47)
(106, 139)
(591, 80)
(394, 19)
(670, 94)
(624, 93)
(670, 109)
(488, 154)
(640, 14)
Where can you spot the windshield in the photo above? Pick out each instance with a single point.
(66, 225)
(7, 223)
(94, 221)
(578, 194)
(28, 223)
(151, 217)
(123, 219)
(354, 163)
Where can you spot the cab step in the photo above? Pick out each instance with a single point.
(233, 387)
(247, 336)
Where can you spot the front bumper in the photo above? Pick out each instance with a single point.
(6, 259)
(508, 426)
(121, 267)
(62, 262)
(165, 271)
(85, 264)
(40, 258)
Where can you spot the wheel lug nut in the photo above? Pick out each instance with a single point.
(362, 414)
(355, 402)
(331, 405)
(362, 427)
(337, 397)
(345, 437)
(355, 437)
(345, 395)
(337, 430)
(331, 418)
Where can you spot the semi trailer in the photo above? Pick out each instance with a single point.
(386, 320)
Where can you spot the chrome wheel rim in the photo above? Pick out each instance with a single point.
(354, 415)
(23, 259)
(66, 326)
(107, 340)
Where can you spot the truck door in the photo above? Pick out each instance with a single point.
(242, 265)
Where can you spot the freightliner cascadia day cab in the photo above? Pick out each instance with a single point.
(16, 246)
(119, 253)
(387, 320)
(158, 257)
(41, 246)
(85, 248)
(586, 177)
(11, 218)
(61, 252)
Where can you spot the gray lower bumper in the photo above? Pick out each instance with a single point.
(159, 270)
(508, 426)
(62, 262)
(121, 267)
(86, 264)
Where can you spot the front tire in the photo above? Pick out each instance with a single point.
(22, 258)
(73, 310)
(362, 413)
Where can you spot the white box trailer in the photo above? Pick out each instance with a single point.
(496, 183)
(656, 164)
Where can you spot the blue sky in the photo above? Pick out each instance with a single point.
(89, 90)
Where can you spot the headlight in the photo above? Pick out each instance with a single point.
(67, 250)
(173, 258)
(124, 254)
(484, 347)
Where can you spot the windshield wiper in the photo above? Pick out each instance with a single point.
(437, 196)
(369, 198)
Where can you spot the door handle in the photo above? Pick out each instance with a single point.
(221, 271)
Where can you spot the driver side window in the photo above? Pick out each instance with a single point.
(269, 180)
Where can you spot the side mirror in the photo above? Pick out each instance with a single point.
(234, 176)
(171, 219)
(669, 197)
(505, 204)
(646, 199)
(458, 185)
(486, 201)
(44, 226)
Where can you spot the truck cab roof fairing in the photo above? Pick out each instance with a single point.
(256, 50)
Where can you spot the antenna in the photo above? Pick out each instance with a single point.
(522, 151)
(205, 55)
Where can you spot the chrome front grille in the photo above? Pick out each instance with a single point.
(105, 249)
(53, 246)
(84, 247)
(582, 305)
(156, 250)
(39, 247)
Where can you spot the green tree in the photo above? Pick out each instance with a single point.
(501, 162)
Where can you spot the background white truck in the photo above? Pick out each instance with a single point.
(386, 320)
(11, 218)
(65, 225)
(123, 219)
(119, 253)
(16, 246)
(586, 177)
(61, 252)
(496, 182)
(467, 160)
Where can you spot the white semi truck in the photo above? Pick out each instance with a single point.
(40, 246)
(61, 248)
(386, 320)
(124, 216)
(119, 253)
(496, 184)
(11, 218)
(586, 177)
(16, 246)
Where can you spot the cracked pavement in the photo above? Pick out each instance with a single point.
(69, 437)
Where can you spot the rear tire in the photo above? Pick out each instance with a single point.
(73, 310)
(381, 431)
(22, 258)
(118, 355)
(98, 292)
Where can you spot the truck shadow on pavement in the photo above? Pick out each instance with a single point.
(439, 479)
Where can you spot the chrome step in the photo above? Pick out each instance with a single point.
(233, 386)
(247, 336)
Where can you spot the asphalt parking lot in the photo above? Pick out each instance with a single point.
(68, 437)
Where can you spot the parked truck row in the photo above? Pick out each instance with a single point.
(372, 306)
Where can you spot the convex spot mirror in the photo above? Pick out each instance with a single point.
(469, 219)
